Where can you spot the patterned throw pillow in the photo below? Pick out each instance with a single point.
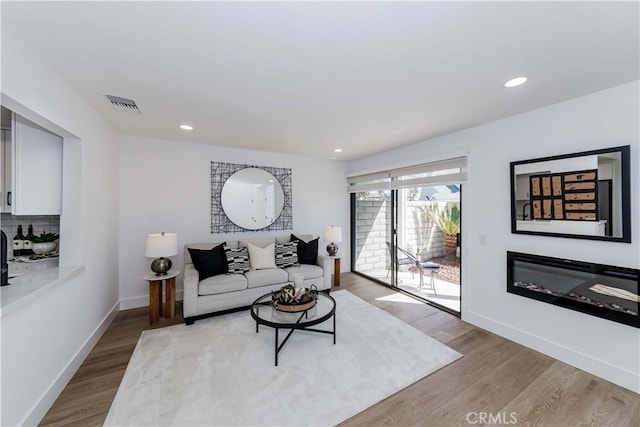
(237, 260)
(287, 254)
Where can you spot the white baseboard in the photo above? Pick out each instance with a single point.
(142, 301)
(617, 375)
(39, 410)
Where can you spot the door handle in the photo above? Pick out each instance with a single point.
(8, 198)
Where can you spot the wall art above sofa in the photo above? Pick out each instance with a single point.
(250, 198)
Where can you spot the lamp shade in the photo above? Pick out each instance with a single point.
(161, 245)
(332, 234)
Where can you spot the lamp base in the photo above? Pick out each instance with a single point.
(332, 249)
(160, 266)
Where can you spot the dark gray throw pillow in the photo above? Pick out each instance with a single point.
(307, 252)
(209, 262)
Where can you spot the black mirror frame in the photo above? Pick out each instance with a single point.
(626, 194)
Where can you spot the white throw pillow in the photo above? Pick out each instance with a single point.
(262, 258)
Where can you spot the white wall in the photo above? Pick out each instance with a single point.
(166, 186)
(604, 119)
(45, 340)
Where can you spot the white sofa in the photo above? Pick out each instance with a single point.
(232, 291)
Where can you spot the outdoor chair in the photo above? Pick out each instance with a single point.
(422, 267)
(402, 260)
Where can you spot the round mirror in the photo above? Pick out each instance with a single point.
(252, 198)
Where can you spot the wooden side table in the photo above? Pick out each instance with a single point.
(155, 295)
(336, 270)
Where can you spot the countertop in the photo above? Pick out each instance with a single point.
(19, 267)
(32, 284)
(590, 228)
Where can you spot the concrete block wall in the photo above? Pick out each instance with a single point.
(373, 217)
(420, 234)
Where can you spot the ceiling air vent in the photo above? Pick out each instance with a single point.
(123, 104)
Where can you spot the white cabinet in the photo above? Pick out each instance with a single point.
(522, 187)
(7, 171)
(37, 170)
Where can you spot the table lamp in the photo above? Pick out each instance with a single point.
(160, 246)
(332, 234)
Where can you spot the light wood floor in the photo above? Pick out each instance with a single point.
(496, 377)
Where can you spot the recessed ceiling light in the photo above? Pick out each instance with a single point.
(186, 127)
(337, 150)
(515, 82)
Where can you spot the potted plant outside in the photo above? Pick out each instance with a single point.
(447, 219)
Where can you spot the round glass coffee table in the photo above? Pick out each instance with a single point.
(264, 313)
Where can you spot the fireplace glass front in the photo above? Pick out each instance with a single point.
(605, 291)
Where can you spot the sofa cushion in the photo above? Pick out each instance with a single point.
(282, 239)
(237, 260)
(307, 251)
(272, 276)
(262, 258)
(287, 239)
(209, 262)
(261, 243)
(222, 283)
(305, 237)
(286, 254)
(308, 271)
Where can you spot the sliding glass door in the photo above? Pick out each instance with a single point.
(407, 235)
(428, 262)
(372, 223)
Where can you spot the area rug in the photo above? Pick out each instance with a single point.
(221, 372)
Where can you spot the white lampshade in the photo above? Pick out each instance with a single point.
(332, 234)
(161, 245)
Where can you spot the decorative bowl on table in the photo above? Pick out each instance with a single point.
(293, 300)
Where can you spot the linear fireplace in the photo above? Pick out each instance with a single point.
(600, 290)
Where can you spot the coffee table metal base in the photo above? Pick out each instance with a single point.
(278, 346)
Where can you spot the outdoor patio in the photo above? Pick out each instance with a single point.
(427, 228)
(446, 282)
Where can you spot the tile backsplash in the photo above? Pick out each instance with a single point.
(48, 223)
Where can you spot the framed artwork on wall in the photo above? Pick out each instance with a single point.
(584, 195)
(250, 198)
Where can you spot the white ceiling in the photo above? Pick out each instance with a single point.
(307, 77)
